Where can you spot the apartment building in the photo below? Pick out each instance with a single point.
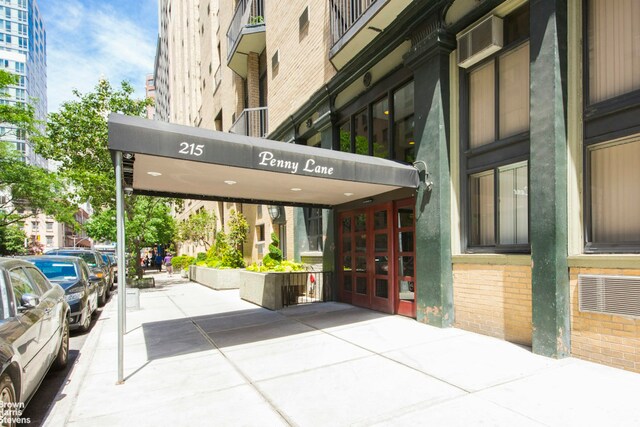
(522, 118)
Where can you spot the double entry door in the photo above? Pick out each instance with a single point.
(376, 259)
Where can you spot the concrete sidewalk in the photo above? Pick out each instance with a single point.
(195, 356)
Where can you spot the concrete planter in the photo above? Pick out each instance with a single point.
(263, 289)
(216, 279)
(145, 282)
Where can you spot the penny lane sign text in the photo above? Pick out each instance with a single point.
(267, 158)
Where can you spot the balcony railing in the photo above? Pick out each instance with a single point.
(307, 287)
(248, 13)
(252, 122)
(218, 77)
(344, 14)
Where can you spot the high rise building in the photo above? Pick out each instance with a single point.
(23, 51)
(150, 92)
(523, 118)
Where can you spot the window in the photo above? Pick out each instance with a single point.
(260, 233)
(612, 142)
(614, 48)
(49, 241)
(495, 138)
(21, 285)
(34, 225)
(39, 280)
(49, 226)
(313, 220)
(383, 126)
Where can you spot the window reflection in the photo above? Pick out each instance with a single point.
(404, 124)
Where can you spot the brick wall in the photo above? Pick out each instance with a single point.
(303, 55)
(603, 338)
(493, 300)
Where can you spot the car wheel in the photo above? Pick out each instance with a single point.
(86, 322)
(102, 299)
(7, 400)
(63, 352)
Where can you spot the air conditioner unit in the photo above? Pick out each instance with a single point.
(480, 41)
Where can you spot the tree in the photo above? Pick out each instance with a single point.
(151, 223)
(77, 138)
(200, 228)
(237, 235)
(12, 238)
(26, 190)
(274, 257)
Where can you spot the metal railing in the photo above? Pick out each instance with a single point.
(344, 14)
(306, 287)
(252, 122)
(248, 12)
(217, 78)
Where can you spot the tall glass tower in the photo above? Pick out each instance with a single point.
(23, 51)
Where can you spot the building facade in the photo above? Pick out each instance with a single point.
(523, 117)
(23, 47)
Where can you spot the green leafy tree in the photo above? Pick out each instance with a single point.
(77, 138)
(12, 238)
(274, 257)
(200, 228)
(237, 235)
(26, 190)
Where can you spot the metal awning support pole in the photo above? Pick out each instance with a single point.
(122, 266)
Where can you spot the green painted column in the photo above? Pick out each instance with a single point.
(548, 178)
(429, 60)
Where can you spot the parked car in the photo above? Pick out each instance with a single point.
(112, 268)
(97, 265)
(114, 262)
(80, 285)
(34, 332)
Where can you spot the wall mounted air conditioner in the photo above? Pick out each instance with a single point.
(480, 41)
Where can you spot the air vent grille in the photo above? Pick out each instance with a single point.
(618, 295)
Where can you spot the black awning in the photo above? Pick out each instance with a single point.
(180, 161)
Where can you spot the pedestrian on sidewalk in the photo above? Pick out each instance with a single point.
(167, 263)
(159, 262)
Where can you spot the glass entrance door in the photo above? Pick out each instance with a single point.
(366, 270)
(405, 247)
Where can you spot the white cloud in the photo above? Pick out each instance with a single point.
(86, 42)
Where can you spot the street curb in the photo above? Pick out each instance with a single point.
(60, 412)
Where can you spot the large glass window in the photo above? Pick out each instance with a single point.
(612, 142)
(403, 124)
(615, 195)
(383, 127)
(380, 124)
(614, 48)
(495, 142)
(313, 220)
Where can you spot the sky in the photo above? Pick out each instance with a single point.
(92, 39)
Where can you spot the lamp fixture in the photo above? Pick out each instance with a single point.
(154, 173)
(412, 143)
(348, 194)
(127, 156)
(230, 182)
(296, 189)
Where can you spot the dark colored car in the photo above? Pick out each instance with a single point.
(34, 332)
(97, 265)
(112, 268)
(114, 262)
(80, 286)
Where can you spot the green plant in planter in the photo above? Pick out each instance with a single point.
(274, 257)
(256, 20)
(238, 230)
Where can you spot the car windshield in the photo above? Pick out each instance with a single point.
(57, 271)
(88, 257)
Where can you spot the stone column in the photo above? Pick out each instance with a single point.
(429, 60)
(548, 178)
